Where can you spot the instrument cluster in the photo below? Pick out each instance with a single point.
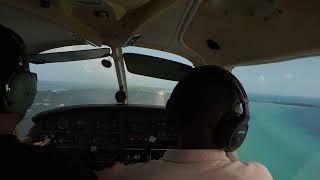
(107, 133)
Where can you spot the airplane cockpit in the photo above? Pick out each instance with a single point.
(101, 134)
(106, 69)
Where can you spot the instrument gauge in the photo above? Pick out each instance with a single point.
(63, 124)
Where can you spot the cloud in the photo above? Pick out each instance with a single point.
(288, 76)
(261, 78)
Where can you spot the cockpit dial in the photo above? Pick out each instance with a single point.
(62, 123)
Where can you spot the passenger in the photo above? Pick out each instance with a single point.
(211, 111)
(17, 91)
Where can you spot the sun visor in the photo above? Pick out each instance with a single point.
(155, 67)
(67, 56)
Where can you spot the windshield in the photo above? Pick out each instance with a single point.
(70, 83)
(284, 125)
(88, 82)
(148, 90)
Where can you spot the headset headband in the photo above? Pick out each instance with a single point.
(241, 93)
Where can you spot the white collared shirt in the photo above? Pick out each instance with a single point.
(194, 165)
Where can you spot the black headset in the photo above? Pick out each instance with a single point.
(232, 129)
(21, 87)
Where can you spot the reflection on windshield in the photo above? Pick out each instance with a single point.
(148, 95)
(147, 90)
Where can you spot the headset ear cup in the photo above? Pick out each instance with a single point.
(22, 91)
(222, 131)
(238, 136)
(231, 132)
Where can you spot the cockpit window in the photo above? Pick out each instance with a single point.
(71, 83)
(89, 82)
(284, 129)
(148, 90)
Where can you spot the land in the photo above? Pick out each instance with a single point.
(297, 104)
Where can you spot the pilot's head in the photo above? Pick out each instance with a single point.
(209, 107)
(17, 83)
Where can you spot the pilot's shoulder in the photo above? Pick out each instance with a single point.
(131, 171)
(258, 170)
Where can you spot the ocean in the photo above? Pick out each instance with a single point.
(286, 139)
(284, 133)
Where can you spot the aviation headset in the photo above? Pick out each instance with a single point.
(232, 129)
(19, 90)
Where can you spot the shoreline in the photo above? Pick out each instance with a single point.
(289, 104)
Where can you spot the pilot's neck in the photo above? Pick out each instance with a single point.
(8, 122)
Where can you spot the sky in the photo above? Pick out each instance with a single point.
(297, 77)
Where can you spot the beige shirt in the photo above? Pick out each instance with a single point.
(194, 165)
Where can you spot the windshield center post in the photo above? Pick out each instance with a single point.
(120, 70)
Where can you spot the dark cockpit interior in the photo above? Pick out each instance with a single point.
(100, 135)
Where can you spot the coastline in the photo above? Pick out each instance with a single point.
(289, 104)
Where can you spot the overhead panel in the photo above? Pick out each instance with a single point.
(254, 31)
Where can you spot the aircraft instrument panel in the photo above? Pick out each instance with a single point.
(103, 134)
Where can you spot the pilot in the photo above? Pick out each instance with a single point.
(17, 90)
(210, 108)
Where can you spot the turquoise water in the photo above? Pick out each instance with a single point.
(286, 139)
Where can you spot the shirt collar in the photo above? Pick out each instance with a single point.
(195, 155)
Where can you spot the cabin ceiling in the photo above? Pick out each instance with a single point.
(220, 32)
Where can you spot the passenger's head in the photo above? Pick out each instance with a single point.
(17, 84)
(200, 102)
